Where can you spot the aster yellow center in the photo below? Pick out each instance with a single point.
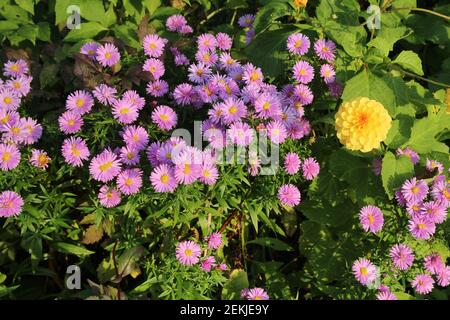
(124, 110)
(415, 190)
(16, 85)
(266, 105)
(164, 117)
(42, 159)
(129, 182)
(168, 155)
(80, 103)
(108, 55)
(227, 89)
(75, 151)
(6, 156)
(206, 173)
(248, 21)
(371, 219)
(152, 46)
(421, 226)
(91, 52)
(130, 155)
(105, 166)
(415, 208)
(298, 44)
(15, 67)
(324, 49)
(446, 194)
(15, 130)
(71, 122)
(5, 119)
(199, 72)
(109, 195)
(363, 271)
(302, 72)
(188, 252)
(152, 69)
(233, 109)
(7, 100)
(206, 57)
(165, 178)
(254, 76)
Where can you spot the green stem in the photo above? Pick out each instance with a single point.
(409, 74)
(443, 16)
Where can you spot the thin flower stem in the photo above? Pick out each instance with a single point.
(443, 16)
(409, 74)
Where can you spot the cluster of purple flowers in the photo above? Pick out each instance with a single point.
(254, 294)
(107, 54)
(426, 206)
(303, 72)
(189, 253)
(15, 131)
(246, 22)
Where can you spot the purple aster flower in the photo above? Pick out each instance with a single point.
(289, 195)
(124, 111)
(154, 45)
(183, 94)
(402, 256)
(105, 94)
(129, 155)
(435, 211)
(175, 23)
(214, 240)
(292, 163)
(423, 283)
(414, 190)
(267, 105)
(443, 276)
(109, 197)
(75, 151)
(9, 100)
(107, 55)
(276, 131)
(371, 218)
(80, 102)
(155, 67)
(364, 271)
(15, 68)
(188, 253)
(163, 179)
(257, 294)
(310, 168)
(302, 96)
(335, 88)
(21, 85)
(157, 88)
(377, 166)
(164, 117)
(206, 57)
(224, 41)
(327, 73)
(298, 43)
(410, 153)
(135, 137)
(39, 159)
(433, 263)
(129, 181)
(105, 166)
(206, 42)
(199, 73)
(325, 49)
(11, 204)
(433, 165)
(421, 227)
(208, 173)
(246, 21)
(240, 133)
(70, 122)
(9, 156)
(90, 49)
(303, 72)
(208, 263)
(233, 110)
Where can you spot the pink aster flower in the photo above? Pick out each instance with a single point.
(302, 96)
(32, 130)
(214, 240)
(109, 196)
(11, 204)
(371, 218)
(325, 49)
(435, 211)
(244, 293)
(206, 42)
(298, 43)
(410, 153)
(8, 118)
(222, 267)
(441, 192)
(90, 49)
(224, 41)
(399, 197)
(70, 122)
(199, 73)
(335, 88)
(289, 195)
(80, 102)
(257, 294)
(206, 57)
(402, 256)
(432, 165)
(9, 156)
(303, 72)
(105, 94)
(188, 253)
(249, 35)
(252, 74)
(15, 68)
(364, 271)
(14, 133)
(129, 181)
(135, 137)
(183, 94)
(246, 21)
(176, 22)
(233, 110)
(157, 88)
(163, 179)
(154, 45)
(267, 105)
(310, 168)
(20, 85)
(39, 159)
(443, 276)
(386, 295)
(208, 173)
(105, 166)
(240, 133)
(292, 163)
(423, 283)
(9, 100)
(155, 67)
(414, 190)
(186, 172)
(208, 263)
(327, 73)
(421, 227)
(186, 29)
(433, 263)
(414, 209)
(134, 98)
(164, 117)
(107, 55)
(129, 155)
(75, 151)
(276, 131)
(124, 111)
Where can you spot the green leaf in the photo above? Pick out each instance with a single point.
(28, 5)
(326, 214)
(43, 33)
(394, 172)
(152, 5)
(410, 61)
(367, 84)
(424, 132)
(272, 243)
(268, 51)
(387, 37)
(8, 26)
(69, 248)
(268, 14)
(232, 288)
(400, 132)
(88, 30)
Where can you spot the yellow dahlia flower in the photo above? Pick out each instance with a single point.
(300, 3)
(361, 124)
